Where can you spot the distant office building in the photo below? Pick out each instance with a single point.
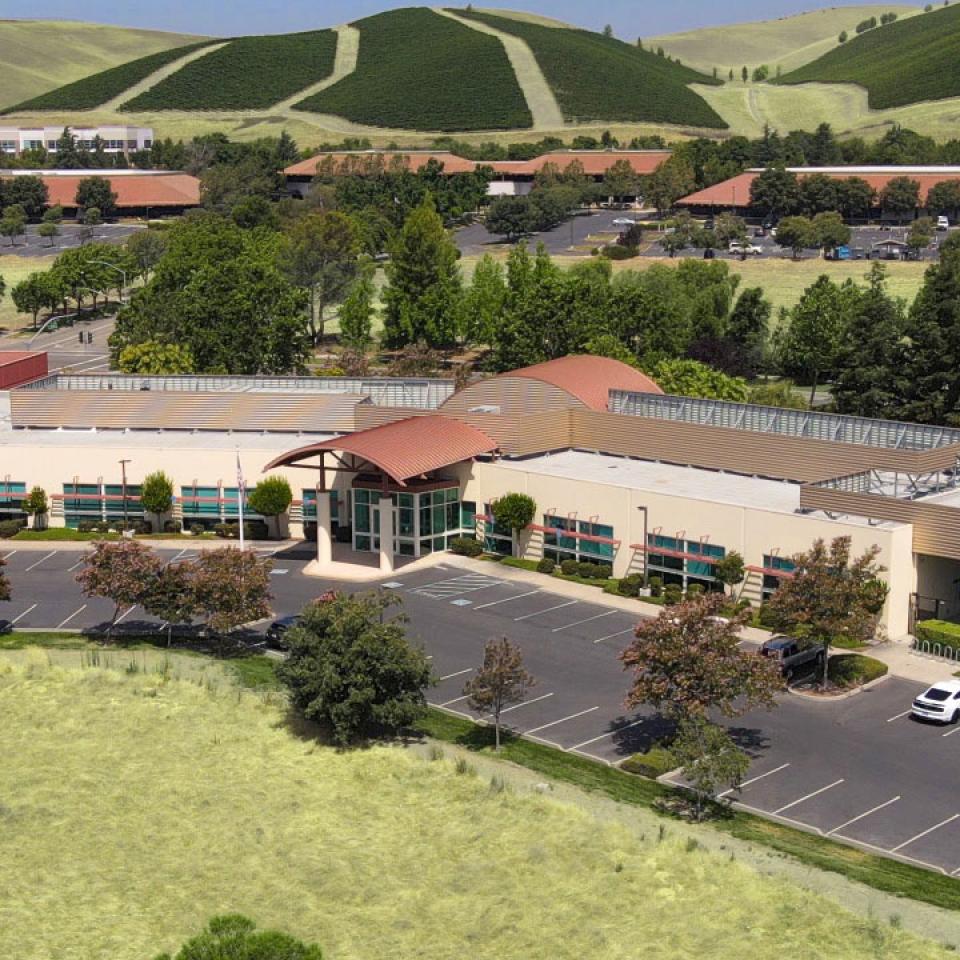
(16, 140)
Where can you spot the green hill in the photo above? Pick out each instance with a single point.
(249, 72)
(901, 63)
(96, 90)
(601, 78)
(41, 55)
(418, 70)
(788, 42)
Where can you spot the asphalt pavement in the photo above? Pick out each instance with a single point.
(858, 769)
(31, 244)
(63, 346)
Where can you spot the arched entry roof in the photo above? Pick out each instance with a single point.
(403, 449)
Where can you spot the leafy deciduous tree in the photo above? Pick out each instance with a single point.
(709, 758)
(500, 682)
(170, 595)
(156, 493)
(231, 587)
(234, 937)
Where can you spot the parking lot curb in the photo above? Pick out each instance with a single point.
(819, 698)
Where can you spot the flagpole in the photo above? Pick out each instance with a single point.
(241, 490)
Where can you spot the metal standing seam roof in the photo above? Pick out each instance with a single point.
(590, 379)
(406, 448)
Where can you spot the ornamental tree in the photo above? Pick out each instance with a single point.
(231, 587)
(795, 233)
(831, 596)
(152, 358)
(351, 668)
(501, 682)
(36, 505)
(170, 596)
(687, 663)
(271, 497)
(515, 511)
(710, 760)
(901, 197)
(118, 572)
(730, 569)
(156, 493)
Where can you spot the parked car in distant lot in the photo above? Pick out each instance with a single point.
(624, 222)
(751, 248)
(277, 631)
(943, 223)
(941, 702)
(791, 654)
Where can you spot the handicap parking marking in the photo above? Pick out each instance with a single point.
(866, 813)
(538, 613)
(455, 586)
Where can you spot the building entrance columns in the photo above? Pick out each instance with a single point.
(324, 529)
(387, 521)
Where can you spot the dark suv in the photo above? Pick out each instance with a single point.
(791, 654)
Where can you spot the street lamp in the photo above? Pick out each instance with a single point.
(123, 492)
(113, 266)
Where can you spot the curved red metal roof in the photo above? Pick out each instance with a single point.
(590, 379)
(405, 448)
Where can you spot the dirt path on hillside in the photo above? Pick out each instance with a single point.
(536, 91)
(157, 76)
(345, 62)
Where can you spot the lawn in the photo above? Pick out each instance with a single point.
(13, 269)
(136, 805)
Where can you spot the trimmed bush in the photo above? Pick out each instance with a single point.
(604, 571)
(630, 585)
(656, 586)
(586, 569)
(546, 565)
(85, 526)
(9, 528)
(271, 496)
(466, 547)
(938, 631)
(654, 763)
(617, 251)
(171, 526)
(672, 593)
(515, 511)
(156, 493)
(854, 669)
(197, 528)
(568, 567)
(694, 590)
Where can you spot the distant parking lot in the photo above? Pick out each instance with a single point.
(33, 245)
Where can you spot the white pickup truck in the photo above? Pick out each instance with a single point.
(750, 248)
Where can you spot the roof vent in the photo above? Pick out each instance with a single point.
(486, 408)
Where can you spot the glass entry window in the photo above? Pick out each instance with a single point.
(95, 501)
(310, 506)
(497, 537)
(12, 495)
(771, 582)
(423, 522)
(687, 568)
(559, 545)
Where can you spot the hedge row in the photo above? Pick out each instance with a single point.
(247, 73)
(900, 63)
(418, 70)
(600, 78)
(93, 91)
(939, 631)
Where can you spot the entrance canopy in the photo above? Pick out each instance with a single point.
(403, 450)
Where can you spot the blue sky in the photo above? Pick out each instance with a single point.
(629, 18)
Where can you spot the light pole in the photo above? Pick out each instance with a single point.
(123, 492)
(113, 266)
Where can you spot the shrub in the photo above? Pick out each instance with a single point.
(156, 493)
(617, 251)
(568, 567)
(271, 496)
(604, 571)
(225, 530)
(586, 569)
(85, 526)
(938, 631)
(514, 511)
(672, 593)
(9, 528)
(101, 526)
(197, 528)
(694, 590)
(656, 586)
(466, 547)
(171, 526)
(854, 669)
(630, 585)
(766, 617)
(36, 502)
(654, 763)
(546, 565)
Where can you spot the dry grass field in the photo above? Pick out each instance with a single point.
(136, 802)
(13, 269)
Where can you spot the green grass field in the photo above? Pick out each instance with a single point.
(93, 91)
(40, 55)
(904, 62)
(600, 78)
(135, 805)
(421, 71)
(788, 42)
(251, 72)
(13, 269)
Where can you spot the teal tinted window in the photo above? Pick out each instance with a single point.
(200, 501)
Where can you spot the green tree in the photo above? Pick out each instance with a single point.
(96, 192)
(900, 197)
(169, 595)
(49, 231)
(831, 597)
(829, 231)
(28, 192)
(319, 254)
(356, 314)
(156, 493)
(796, 234)
(152, 358)
(687, 663)
(730, 569)
(818, 194)
(118, 572)
(37, 505)
(231, 587)
(501, 682)
(423, 295)
(34, 294)
(843, 37)
(234, 937)
(744, 74)
(510, 217)
(515, 511)
(709, 759)
(145, 248)
(854, 197)
(729, 227)
(5, 592)
(760, 73)
(13, 223)
(920, 234)
(271, 497)
(351, 668)
(747, 330)
(673, 179)
(778, 393)
(776, 192)
(484, 301)
(690, 378)
(621, 181)
(944, 198)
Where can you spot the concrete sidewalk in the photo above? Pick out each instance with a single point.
(905, 662)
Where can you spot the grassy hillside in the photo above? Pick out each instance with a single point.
(601, 78)
(92, 91)
(247, 73)
(40, 55)
(418, 70)
(904, 62)
(137, 804)
(788, 42)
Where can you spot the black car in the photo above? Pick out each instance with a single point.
(277, 631)
(791, 654)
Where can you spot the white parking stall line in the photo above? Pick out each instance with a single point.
(459, 673)
(20, 616)
(493, 603)
(576, 623)
(79, 563)
(793, 803)
(936, 826)
(746, 783)
(538, 613)
(526, 703)
(176, 557)
(866, 813)
(457, 586)
(7, 556)
(609, 733)
(619, 633)
(950, 733)
(553, 723)
(447, 703)
(125, 614)
(52, 553)
(898, 716)
(65, 621)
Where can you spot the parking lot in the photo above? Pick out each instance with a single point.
(856, 769)
(31, 244)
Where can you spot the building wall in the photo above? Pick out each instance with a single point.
(752, 532)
